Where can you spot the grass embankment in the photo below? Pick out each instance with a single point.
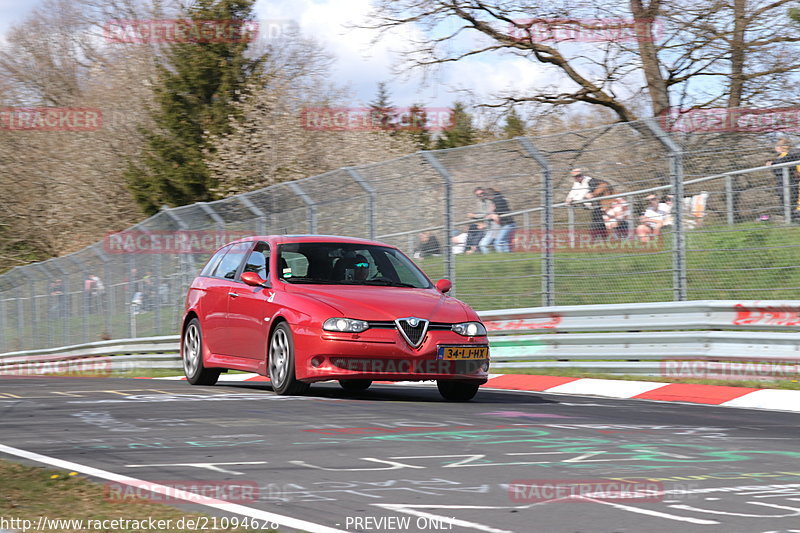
(747, 261)
(32, 492)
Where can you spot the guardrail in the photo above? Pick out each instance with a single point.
(622, 338)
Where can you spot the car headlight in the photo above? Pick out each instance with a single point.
(470, 329)
(345, 325)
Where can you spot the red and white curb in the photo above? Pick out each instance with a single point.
(770, 399)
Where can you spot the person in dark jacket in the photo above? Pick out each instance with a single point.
(784, 152)
(502, 241)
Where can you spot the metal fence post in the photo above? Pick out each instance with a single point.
(787, 197)
(104, 302)
(20, 318)
(450, 266)
(679, 241)
(4, 336)
(85, 296)
(213, 215)
(548, 269)
(64, 301)
(261, 217)
(32, 322)
(371, 195)
(310, 204)
(728, 200)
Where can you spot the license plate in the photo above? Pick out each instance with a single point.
(463, 353)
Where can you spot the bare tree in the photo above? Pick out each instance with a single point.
(657, 54)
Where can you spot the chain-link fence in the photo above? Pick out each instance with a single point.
(725, 231)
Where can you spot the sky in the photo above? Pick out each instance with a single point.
(360, 63)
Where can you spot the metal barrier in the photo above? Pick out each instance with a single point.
(624, 338)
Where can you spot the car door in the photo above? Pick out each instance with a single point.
(215, 301)
(250, 310)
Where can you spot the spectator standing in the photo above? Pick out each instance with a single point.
(485, 212)
(587, 188)
(784, 152)
(504, 221)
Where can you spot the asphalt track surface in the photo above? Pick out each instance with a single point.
(398, 458)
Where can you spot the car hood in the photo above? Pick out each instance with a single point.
(388, 303)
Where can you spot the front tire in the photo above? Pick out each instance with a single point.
(355, 385)
(192, 355)
(281, 362)
(457, 391)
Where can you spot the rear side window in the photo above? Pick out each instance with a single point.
(208, 270)
(230, 263)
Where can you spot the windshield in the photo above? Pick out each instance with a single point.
(330, 263)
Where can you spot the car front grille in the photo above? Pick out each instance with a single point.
(413, 329)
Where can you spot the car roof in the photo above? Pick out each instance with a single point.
(280, 239)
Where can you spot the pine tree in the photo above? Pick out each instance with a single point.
(515, 126)
(382, 111)
(417, 127)
(462, 133)
(198, 83)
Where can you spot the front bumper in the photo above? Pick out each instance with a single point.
(383, 355)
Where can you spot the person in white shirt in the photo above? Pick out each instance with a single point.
(587, 188)
(651, 221)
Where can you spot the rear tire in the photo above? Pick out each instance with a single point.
(192, 355)
(457, 391)
(281, 363)
(355, 385)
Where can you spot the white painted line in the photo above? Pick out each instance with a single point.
(773, 399)
(189, 497)
(651, 512)
(609, 388)
(412, 510)
(236, 377)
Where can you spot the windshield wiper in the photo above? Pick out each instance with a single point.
(314, 280)
(388, 283)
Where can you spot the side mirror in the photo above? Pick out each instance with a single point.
(444, 285)
(254, 280)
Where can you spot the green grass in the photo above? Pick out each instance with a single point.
(748, 261)
(32, 492)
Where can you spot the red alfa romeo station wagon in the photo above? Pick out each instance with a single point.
(309, 308)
